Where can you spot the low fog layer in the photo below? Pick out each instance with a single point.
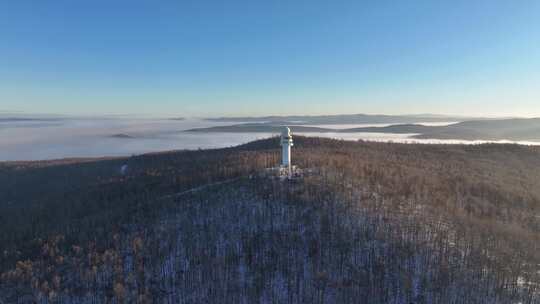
(64, 137)
(96, 137)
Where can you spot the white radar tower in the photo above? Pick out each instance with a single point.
(286, 144)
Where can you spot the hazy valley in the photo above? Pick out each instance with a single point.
(27, 137)
(512, 129)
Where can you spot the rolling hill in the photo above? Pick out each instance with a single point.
(372, 223)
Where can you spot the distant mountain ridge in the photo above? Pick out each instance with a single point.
(522, 129)
(259, 127)
(27, 119)
(348, 119)
(511, 129)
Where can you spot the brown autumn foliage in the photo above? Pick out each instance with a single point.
(421, 223)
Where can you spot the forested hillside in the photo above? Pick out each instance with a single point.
(373, 223)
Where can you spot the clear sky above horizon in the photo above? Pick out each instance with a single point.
(214, 58)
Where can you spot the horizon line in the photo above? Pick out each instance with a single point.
(19, 114)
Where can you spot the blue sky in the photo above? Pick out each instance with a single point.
(213, 58)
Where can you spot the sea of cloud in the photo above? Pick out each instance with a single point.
(65, 137)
